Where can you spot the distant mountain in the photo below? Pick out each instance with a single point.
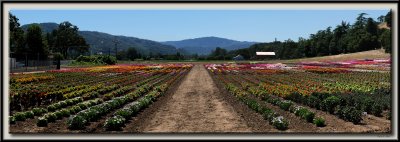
(145, 46)
(46, 27)
(103, 42)
(205, 45)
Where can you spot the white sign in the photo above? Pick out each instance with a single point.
(265, 53)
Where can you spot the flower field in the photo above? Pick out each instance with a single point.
(345, 90)
(107, 96)
(349, 96)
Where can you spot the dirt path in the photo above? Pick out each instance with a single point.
(196, 106)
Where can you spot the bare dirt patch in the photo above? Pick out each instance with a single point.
(195, 106)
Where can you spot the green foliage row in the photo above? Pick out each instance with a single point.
(362, 35)
(97, 59)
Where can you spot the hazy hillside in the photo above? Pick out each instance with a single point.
(102, 42)
(205, 45)
(383, 25)
(371, 54)
(46, 27)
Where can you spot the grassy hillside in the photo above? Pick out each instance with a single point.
(372, 54)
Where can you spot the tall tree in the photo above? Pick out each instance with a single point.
(360, 21)
(67, 37)
(386, 40)
(388, 19)
(381, 18)
(17, 41)
(218, 54)
(372, 26)
(35, 41)
(131, 53)
(338, 41)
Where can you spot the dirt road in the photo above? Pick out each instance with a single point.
(196, 106)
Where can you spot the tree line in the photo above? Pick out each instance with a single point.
(34, 44)
(65, 42)
(362, 35)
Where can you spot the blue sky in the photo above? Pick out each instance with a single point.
(168, 25)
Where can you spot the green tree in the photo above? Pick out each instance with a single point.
(372, 26)
(35, 41)
(360, 21)
(388, 19)
(386, 40)
(381, 18)
(17, 41)
(67, 37)
(218, 54)
(132, 53)
(338, 41)
(121, 55)
(178, 55)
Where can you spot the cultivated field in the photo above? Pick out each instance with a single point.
(302, 97)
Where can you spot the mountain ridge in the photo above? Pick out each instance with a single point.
(205, 45)
(102, 42)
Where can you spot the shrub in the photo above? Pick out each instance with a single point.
(135, 109)
(57, 105)
(275, 101)
(300, 111)
(295, 96)
(280, 123)
(76, 122)
(63, 104)
(109, 60)
(254, 105)
(105, 108)
(51, 117)
(114, 123)
(51, 108)
(330, 103)
(77, 100)
(355, 116)
(350, 114)
(72, 111)
(76, 109)
(97, 59)
(145, 102)
(29, 114)
(377, 109)
(11, 120)
(313, 102)
(65, 112)
(58, 115)
(92, 102)
(114, 103)
(265, 97)
(319, 122)
(83, 105)
(98, 101)
(320, 95)
(293, 108)
(108, 97)
(285, 105)
(37, 111)
(69, 102)
(268, 114)
(309, 116)
(124, 113)
(92, 115)
(91, 95)
(20, 116)
(42, 122)
(367, 104)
